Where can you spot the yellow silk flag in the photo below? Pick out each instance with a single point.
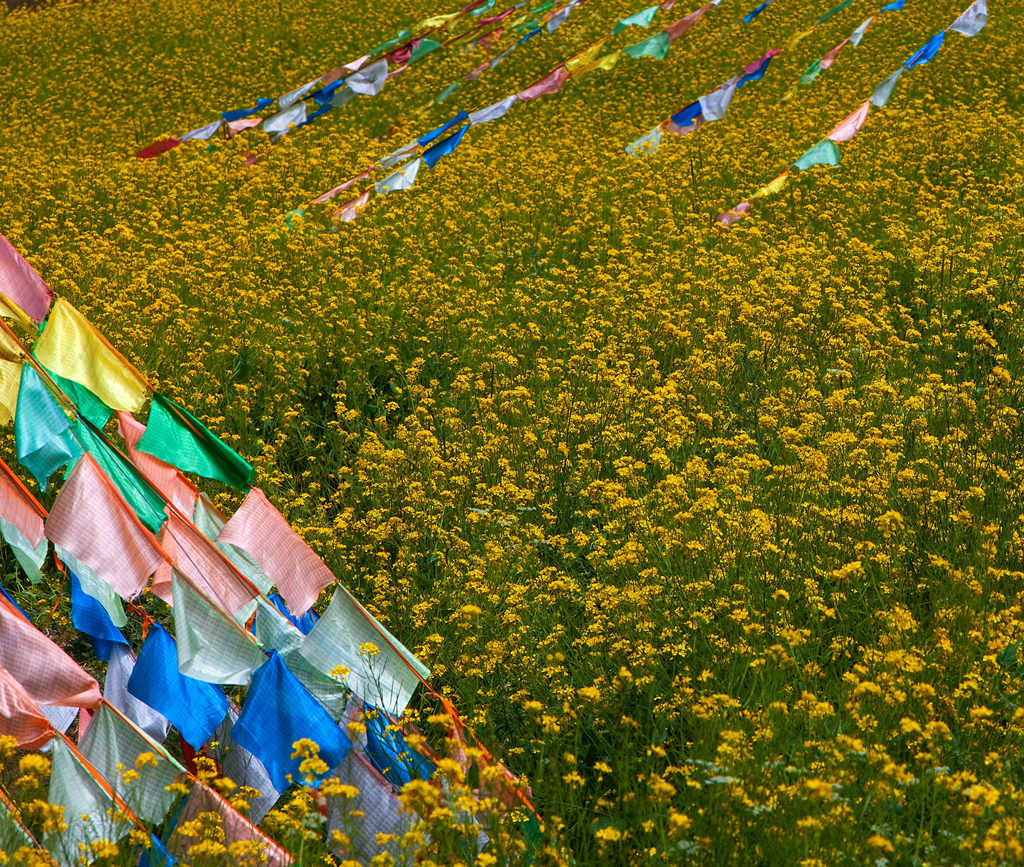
(606, 63)
(10, 383)
(585, 57)
(435, 21)
(772, 187)
(71, 347)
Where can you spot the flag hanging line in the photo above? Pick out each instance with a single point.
(826, 152)
(7, 804)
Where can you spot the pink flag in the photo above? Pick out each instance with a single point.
(755, 65)
(45, 672)
(734, 215)
(21, 717)
(263, 533)
(401, 55)
(476, 73)
(679, 27)
(830, 58)
(355, 65)
(21, 284)
(168, 480)
(847, 128)
(350, 210)
(237, 126)
(494, 19)
(17, 508)
(488, 38)
(667, 4)
(550, 83)
(91, 521)
(330, 194)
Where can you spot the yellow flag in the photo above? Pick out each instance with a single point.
(10, 310)
(72, 347)
(798, 38)
(606, 63)
(773, 187)
(10, 382)
(436, 21)
(585, 57)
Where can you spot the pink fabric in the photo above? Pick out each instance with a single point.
(476, 73)
(355, 65)
(166, 479)
(729, 218)
(237, 126)
(494, 19)
(21, 284)
(668, 4)
(678, 28)
(847, 128)
(550, 83)
(350, 210)
(756, 65)
(488, 38)
(91, 520)
(401, 54)
(84, 718)
(16, 508)
(830, 58)
(330, 194)
(45, 672)
(20, 716)
(262, 532)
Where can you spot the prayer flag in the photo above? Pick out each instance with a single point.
(21, 285)
(823, 153)
(396, 156)
(237, 126)
(279, 711)
(243, 113)
(585, 58)
(733, 215)
(369, 81)
(926, 52)
(304, 623)
(756, 70)
(21, 717)
(262, 531)
(835, 10)
(492, 112)
(426, 139)
(243, 768)
(422, 48)
(18, 509)
(882, 93)
(432, 155)
(293, 96)
(193, 707)
(115, 690)
(972, 19)
(90, 617)
(95, 587)
(30, 557)
(444, 94)
(550, 83)
(811, 73)
(558, 19)
(403, 179)
(648, 142)
(893, 7)
(750, 16)
(10, 384)
(87, 404)
(41, 429)
(714, 105)
(858, 34)
(847, 128)
(158, 147)
(204, 132)
(174, 487)
(830, 58)
(390, 753)
(643, 18)
(72, 347)
(284, 120)
(678, 28)
(330, 194)
(351, 209)
(656, 46)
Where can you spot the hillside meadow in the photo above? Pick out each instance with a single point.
(714, 536)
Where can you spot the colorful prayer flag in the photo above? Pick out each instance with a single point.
(655, 46)
(926, 52)
(714, 105)
(284, 120)
(972, 19)
(643, 18)
(20, 283)
(823, 153)
(115, 691)
(550, 83)
(21, 717)
(882, 93)
(41, 430)
(492, 112)
(168, 480)
(369, 81)
(733, 215)
(432, 155)
(403, 179)
(648, 142)
(847, 128)
(90, 617)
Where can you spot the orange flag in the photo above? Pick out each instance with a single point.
(167, 479)
(21, 717)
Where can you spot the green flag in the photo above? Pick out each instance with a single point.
(88, 404)
(31, 559)
(823, 153)
(656, 47)
(177, 437)
(643, 18)
(423, 48)
(839, 7)
(811, 73)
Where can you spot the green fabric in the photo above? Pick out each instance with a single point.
(423, 48)
(812, 72)
(88, 404)
(643, 18)
(448, 91)
(31, 559)
(137, 492)
(823, 153)
(833, 11)
(401, 37)
(191, 446)
(12, 837)
(656, 47)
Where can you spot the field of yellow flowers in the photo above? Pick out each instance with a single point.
(716, 536)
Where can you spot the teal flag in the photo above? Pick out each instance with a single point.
(812, 72)
(423, 48)
(823, 153)
(88, 404)
(42, 430)
(835, 10)
(656, 47)
(643, 18)
(177, 437)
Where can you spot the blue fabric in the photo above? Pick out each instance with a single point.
(42, 430)
(304, 623)
(239, 113)
(11, 600)
(278, 711)
(531, 34)
(893, 7)
(157, 855)
(687, 115)
(90, 617)
(757, 74)
(194, 708)
(750, 16)
(923, 54)
(443, 148)
(320, 111)
(424, 140)
(391, 754)
(324, 95)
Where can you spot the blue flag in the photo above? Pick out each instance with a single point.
(927, 51)
(239, 113)
(11, 600)
(443, 148)
(424, 140)
(90, 617)
(687, 115)
(750, 16)
(42, 430)
(757, 74)
(391, 754)
(304, 623)
(278, 711)
(893, 7)
(195, 708)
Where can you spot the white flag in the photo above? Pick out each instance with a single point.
(972, 19)
(715, 104)
(115, 689)
(403, 179)
(204, 132)
(646, 143)
(284, 120)
(882, 93)
(492, 112)
(858, 34)
(369, 81)
(293, 96)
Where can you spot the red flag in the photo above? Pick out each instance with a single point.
(158, 147)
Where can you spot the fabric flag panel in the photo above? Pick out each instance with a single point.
(72, 347)
(656, 46)
(42, 431)
(643, 18)
(90, 617)
(403, 179)
(10, 383)
(847, 128)
(204, 132)
(261, 531)
(352, 208)
(95, 586)
(176, 489)
(426, 139)
(243, 768)
(492, 112)
(823, 153)
(29, 557)
(193, 707)
(972, 20)
(115, 690)
(648, 142)
(177, 437)
(391, 754)
(292, 97)
(882, 93)
(714, 105)
(209, 522)
(285, 120)
(926, 52)
(13, 835)
(733, 215)
(88, 405)
(46, 672)
(20, 716)
(386, 679)
(90, 520)
(678, 28)
(21, 284)
(369, 81)
(279, 711)
(433, 155)
(858, 34)
(550, 83)
(17, 508)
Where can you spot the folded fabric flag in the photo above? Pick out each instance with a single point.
(91, 520)
(389, 752)
(204, 132)
(21, 717)
(304, 623)
(422, 48)
(397, 156)
(17, 508)
(687, 115)
(294, 96)
(285, 120)
(369, 81)
(550, 83)
(193, 707)
(87, 403)
(678, 28)
(168, 480)
(558, 19)
(387, 678)
(403, 179)
(847, 128)
(882, 93)
(893, 7)
(492, 112)
(21, 284)
(714, 105)
(95, 587)
(750, 16)
(115, 691)
(926, 52)
(42, 431)
(500, 57)
(158, 147)
(211, 646)
(972, 19)
(474, 74)
(432, 155)
(274, 632)
(605, 64)
(177, 437)
(656, 46)
(830, 58)
(733, 215)
(756, 70)
(86, 802)
(262, 531)
(351, 209)
(811, 73)
(835, 10)
(444, 94)
(648, 142)
(858, 34)
(236, 827)
(424, 140)
(243, 768)
(237, 126)
(643, 18)
(88, 616)
(279, 711)
(330, 194)
(585, 58)
(823, 153)
(111, 745)
(72, 347)
(210, 522)
(242, 113)
(10, 384)
(46, 672)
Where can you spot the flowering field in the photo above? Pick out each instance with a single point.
(714, 535)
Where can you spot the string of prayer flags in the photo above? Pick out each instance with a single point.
(21, 285)
(72, 347)
(195, 708)
(91, 520)
(278, 711)
(262, 531)
(90, 617)
(177, 437)
(115, 690)
(42, 431)
(21, 717)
